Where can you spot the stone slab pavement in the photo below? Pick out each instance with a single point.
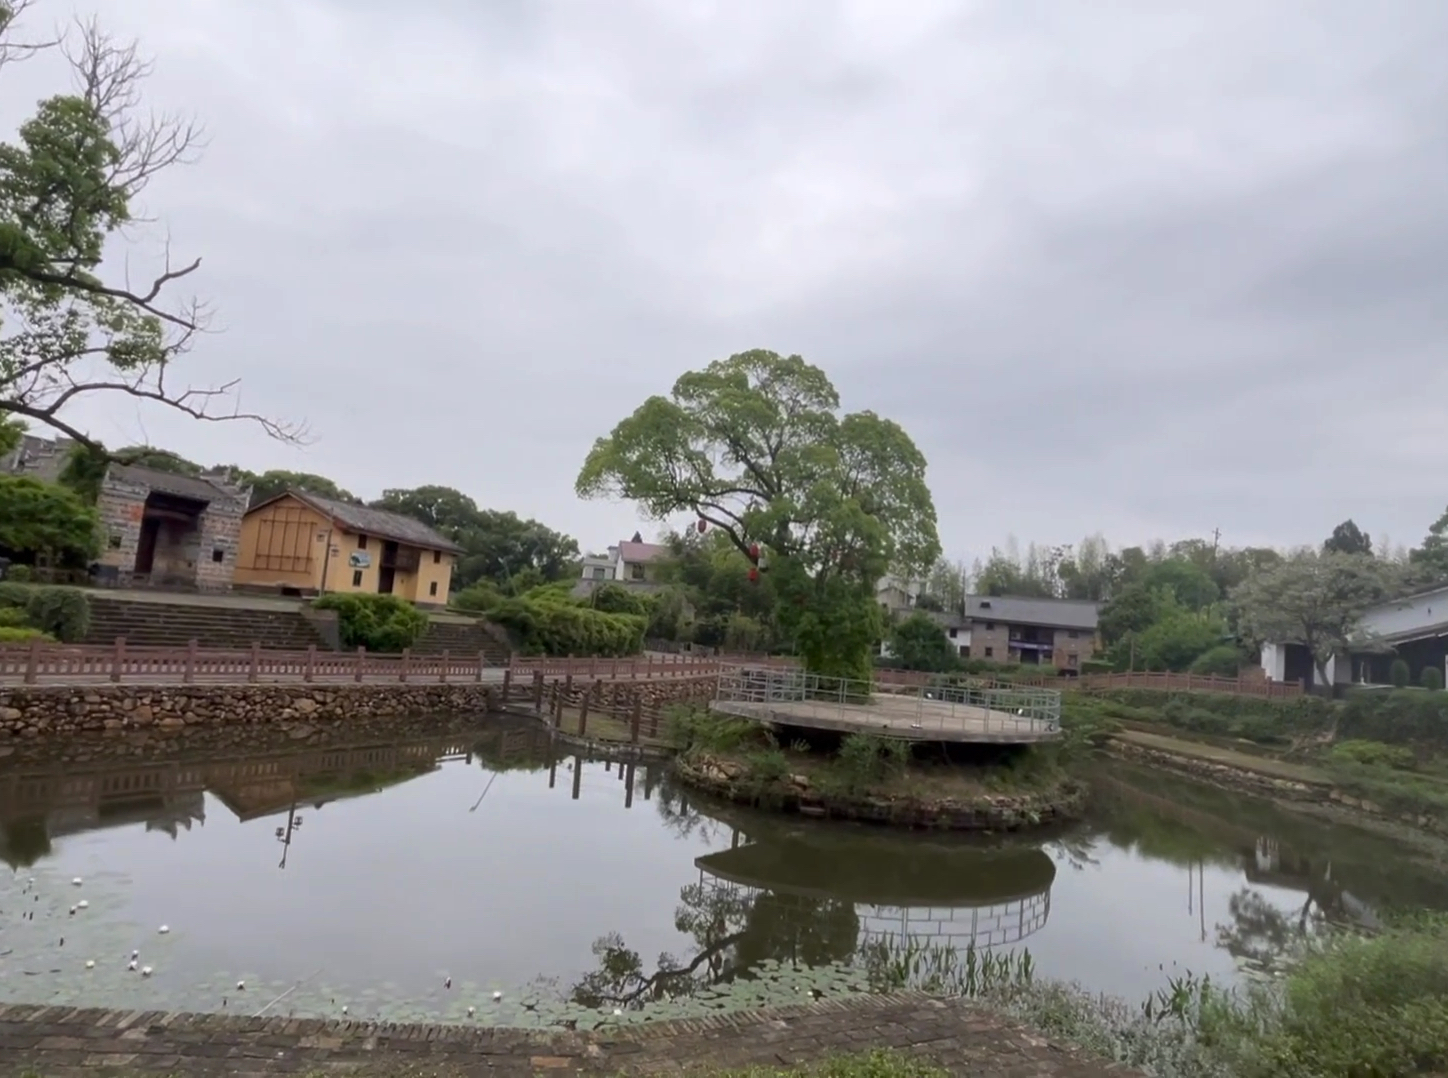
(59, 1042)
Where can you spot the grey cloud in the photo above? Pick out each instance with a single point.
(1143, 269)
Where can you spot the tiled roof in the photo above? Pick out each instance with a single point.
(629, 551)
(1055, 613)
(378, 522)
(163, 482)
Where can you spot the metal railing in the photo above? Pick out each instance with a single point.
(961, 709)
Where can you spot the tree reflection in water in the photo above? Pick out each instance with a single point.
(734, 932)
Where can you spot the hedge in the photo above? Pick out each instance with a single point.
(63, 613)
(375, 622)
(543, 623)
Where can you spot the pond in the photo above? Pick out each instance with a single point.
(480, 876)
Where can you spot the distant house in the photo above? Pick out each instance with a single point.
(1413, 628)
(302, 544)
(38, 458)
(631, 563)
(165, 530)
(1008, 628)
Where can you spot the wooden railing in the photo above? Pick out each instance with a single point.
(45, 663)
(639, 666)
(1241, 685)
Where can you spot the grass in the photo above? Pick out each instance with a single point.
(1262, 765)
(877, 1064)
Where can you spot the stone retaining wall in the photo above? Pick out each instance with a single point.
(34, 719)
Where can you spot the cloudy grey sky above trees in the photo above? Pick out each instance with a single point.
(1137, 267)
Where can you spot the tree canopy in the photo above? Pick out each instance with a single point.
(44, 518)
(755, 446)
(1348, 538)
(68, 187)
(1313, 598)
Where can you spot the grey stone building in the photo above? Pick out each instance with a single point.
(169, 531)
(38, 458)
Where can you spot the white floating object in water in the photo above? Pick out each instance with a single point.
(164, 929)
(131, 965)
(135, 954)
(470, 1011)
(447, 983)
(82, 905)
(76, 881)
(344, 1008)
(145, 971)
(617, 1012)
(241, 986)
(90, 963)
(72, 911)
(497, 996)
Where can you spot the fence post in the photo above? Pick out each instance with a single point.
(583, 715)
(507, 682)
(402, 671)
(613, 673)
(592, 666)
(568, 680)
(361, 664)
(253, 671)
(649, 670)
(482, 661)
(554, 708)
(311, 668)
(189, 675)
(118, 660)
(537, 692)
(32, 661)
(442, 673)
(636, 718)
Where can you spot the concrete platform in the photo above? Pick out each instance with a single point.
(910, 717)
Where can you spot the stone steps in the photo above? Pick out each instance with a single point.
(461, 638)
(162, 624)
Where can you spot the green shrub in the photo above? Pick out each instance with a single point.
(1431, 679)
(10, 634)
(1402, 716)
(1398, 674)
(768, 766)
(64, 613)
(19, 574)
(866, 760)
(1366, 1006)
(12, 617)
(616, 599)
(1096, 666)
(1372, 754)
(376, 622)
(1224, 661)
(548, 622)
(477, 598)
(699, 730)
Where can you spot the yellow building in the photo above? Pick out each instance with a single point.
(298, 543)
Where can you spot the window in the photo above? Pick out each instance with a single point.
(952, 634)
(1071, 659)
(636, 570)
(361, 542)
(990, 626)
(965, 651)
(437, 557)
(985, 604)
(432, 588)
(218, 555)
(356, 578)
(1071, 633)
(990, 653)
(116, 540)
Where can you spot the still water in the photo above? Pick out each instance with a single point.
(418, 879)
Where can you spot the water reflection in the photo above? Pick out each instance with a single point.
(485, 858)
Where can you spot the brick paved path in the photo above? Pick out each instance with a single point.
(59, 1042)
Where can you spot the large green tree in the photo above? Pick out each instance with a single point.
(1314, 598)
(71, 329)
(44, 518)
(755, 446)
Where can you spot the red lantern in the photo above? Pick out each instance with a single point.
(702, 525)
(753, 575)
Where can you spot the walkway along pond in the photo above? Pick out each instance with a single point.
(479, 874)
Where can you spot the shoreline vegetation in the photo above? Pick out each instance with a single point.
(877, 779)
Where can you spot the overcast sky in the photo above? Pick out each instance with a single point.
(1143, 267)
